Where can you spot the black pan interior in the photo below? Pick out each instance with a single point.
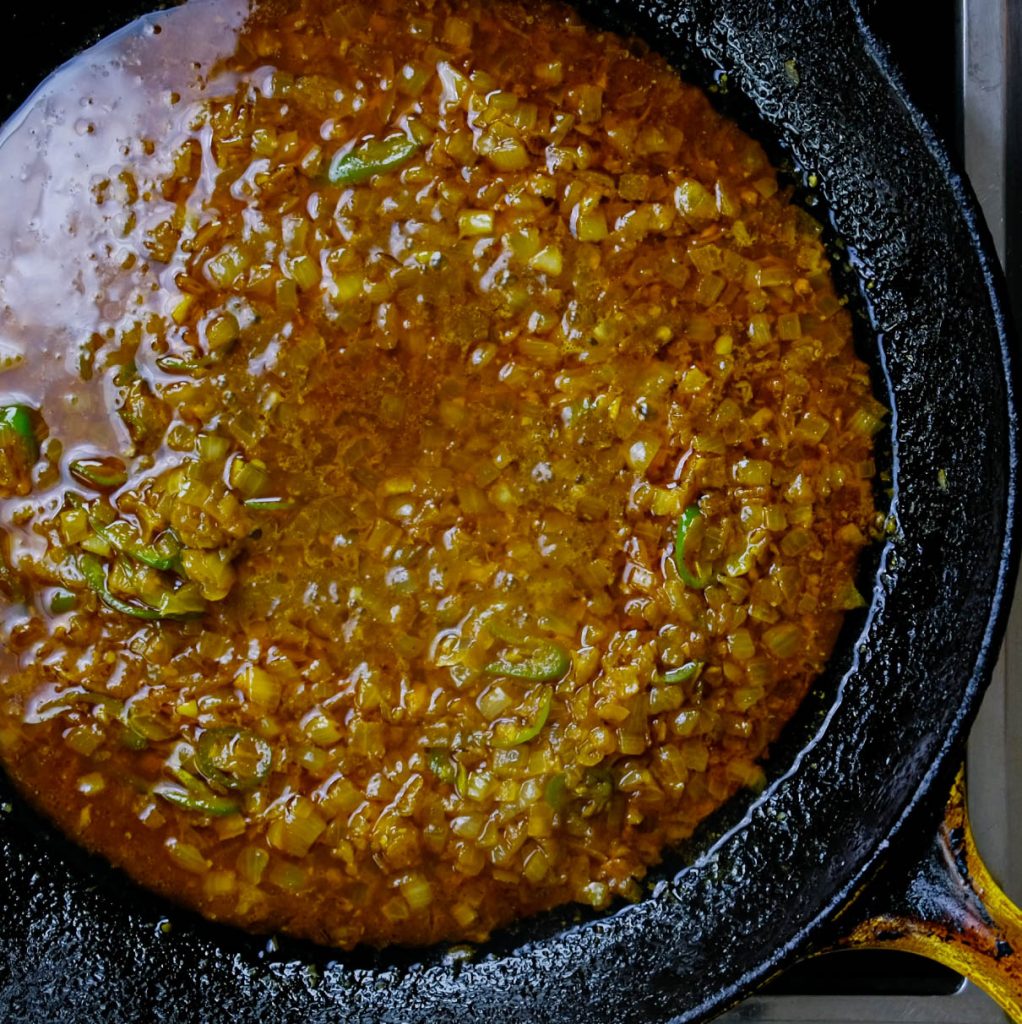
(80, 944)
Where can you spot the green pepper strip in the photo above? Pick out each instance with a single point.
(461, 780)
(98, 475)
(175, 364)
(95, 576)
(213, 742)
(18, 418)
(62, 601)
(79, 696)
(441, 765)
(503, 740)
(133, 740)
(377, 156)
(688, 672)
(690, 515)
(268, 504)
(195, 801)
(550, 661)
(119, 535)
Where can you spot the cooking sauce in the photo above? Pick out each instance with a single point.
(434, 462)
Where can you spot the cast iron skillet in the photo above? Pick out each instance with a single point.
(860, 769)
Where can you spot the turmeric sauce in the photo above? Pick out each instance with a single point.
(463, 491)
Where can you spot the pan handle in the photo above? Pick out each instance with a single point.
(947, 907)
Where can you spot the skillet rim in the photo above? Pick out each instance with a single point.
(926, 805)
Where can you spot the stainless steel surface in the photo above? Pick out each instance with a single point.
(991, 95)
(966, 1006)
(995, 755)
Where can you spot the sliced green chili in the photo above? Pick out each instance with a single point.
(441, 765)
(102, 473)
(199, 791)
(549, 661)
(461, 780)
(94, 573)
(233, 757)
(162, 554)
(205, 803)
(77, 695)
(185, 777)
(688, 672)
(376, 156)
(508, 736)
(175, 364)
(681, 540)
(184, 602)
(18, 419)
(133, 740)
(268, 504)
(19, 449)
(62, 601)
(148, 726)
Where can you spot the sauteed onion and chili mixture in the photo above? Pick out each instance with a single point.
(465, 488)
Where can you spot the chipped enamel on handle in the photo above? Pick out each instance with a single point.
(947, 908)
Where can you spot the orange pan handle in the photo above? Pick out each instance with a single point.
(948, 908)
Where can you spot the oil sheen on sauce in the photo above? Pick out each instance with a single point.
(433, 457)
